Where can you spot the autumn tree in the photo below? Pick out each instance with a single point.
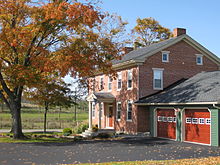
(149, 31)
(51, 94)
(39, 39)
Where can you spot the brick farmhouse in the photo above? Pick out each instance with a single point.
(135, 102)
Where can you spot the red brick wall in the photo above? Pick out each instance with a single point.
(182, 64)
(122, 96)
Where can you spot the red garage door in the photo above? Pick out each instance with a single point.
(166, 123)
(197, 126)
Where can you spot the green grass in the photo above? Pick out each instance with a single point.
(33, 119)
(35, 137)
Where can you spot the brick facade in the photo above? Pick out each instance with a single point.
(182, 64)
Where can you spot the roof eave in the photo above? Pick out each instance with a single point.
(190, 103)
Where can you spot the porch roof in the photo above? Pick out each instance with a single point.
(101, 97)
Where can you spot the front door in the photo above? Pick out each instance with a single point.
(110, 116)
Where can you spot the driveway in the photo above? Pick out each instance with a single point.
(130, 149)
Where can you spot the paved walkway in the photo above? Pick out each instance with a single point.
(130, 149)
(32, 130)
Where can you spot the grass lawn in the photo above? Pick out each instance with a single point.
(199, 161)
(35, 137)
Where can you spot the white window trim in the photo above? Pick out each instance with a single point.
(167, 53)
(102, 77)
(206, 121)
(159, 118)
(200, 121)
(117, 112)
(130, 70)
(118, 89)
(129, 120)
(165, 119)
(199, 55)
(93, 109)
(158, 69)
(111, 84)
(196, 121)
(190, 120)
(170, 121)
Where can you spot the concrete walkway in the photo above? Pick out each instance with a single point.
(32, 130)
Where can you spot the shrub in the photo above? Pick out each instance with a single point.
(81, 128)
(103, 135)
(67, 131)
(95, 128)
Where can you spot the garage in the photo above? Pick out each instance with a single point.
(197, 125)
(166, 123)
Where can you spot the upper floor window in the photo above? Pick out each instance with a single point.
(101, 83)
(129, 110)
(199, 59)
(158, 79)
(165, 56)
(129, 82)
(110, 83)
(119, 82)
(118, 115)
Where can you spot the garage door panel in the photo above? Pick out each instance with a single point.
(199, 131)
(166, 127)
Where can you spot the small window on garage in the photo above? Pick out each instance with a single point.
(160, 118)
(201, 121)
(164, 119)
(170, 119)
(174, 119)
(188, 120)
(165, 56)
(208, 121)
(199, 59)
(194, 120)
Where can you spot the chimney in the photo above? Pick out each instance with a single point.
(178, 32)
(126, 50)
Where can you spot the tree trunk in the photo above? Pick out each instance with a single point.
(45, 116)
(59, 117)
(15, 108)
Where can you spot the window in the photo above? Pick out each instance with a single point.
(129, 83)
(160, 118)
(93, 110)
(201, 121)
(199, 59)
(119, 80)
(165, 56)
(101, 83)
(188, 120)
(101, 109)
(194, 120)
(174, 119)
(129, 110)
(118, 117)
(170, 119)
(208, 121)
(164, 119)
(109, 83)
(158, 79)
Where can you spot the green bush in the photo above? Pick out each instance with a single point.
(103, 135)
(81, 128)
(67, 131)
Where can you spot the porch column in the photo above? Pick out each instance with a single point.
(90, 115)
(100, 121)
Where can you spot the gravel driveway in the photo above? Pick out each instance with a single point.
(130, 149)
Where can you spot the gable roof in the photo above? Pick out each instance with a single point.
(139, 56)
(201, 88)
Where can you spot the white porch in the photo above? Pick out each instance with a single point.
(105, 113)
